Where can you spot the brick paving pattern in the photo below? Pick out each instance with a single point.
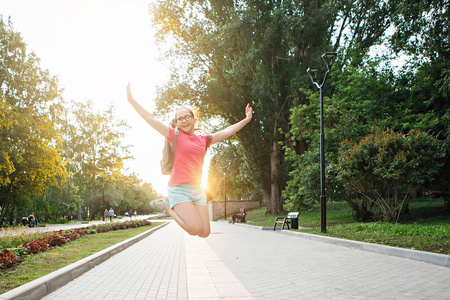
(239, 262)
(279, 266)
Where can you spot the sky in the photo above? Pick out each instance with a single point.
(96, 47)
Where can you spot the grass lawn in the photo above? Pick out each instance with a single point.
(38, 265)
(425, 228)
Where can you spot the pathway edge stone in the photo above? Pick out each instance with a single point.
(40, 287)
(422, 256)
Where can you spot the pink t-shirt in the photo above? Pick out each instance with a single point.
(190, 152)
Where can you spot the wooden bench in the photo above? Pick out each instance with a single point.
(290, 219)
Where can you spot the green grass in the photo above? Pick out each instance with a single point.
(425, 228)
(41, 264)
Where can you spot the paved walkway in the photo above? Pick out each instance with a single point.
(240, 262)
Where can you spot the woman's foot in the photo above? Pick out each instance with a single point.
(161, 203)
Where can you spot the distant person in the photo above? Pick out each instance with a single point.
(240, 217)
(135, 214)
(111, 214)
(32, 220)
(186, 203)
(130, 214)
(105, 215)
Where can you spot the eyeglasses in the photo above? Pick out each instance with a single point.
(185, 118)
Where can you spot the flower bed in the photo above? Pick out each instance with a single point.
(10, 257)
(7, 259)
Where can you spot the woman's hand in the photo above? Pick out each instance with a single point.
(248, 112)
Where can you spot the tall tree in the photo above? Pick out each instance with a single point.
(136, 195)
(233, 52)
(368, 90)
(30, 141)
(97, 154)
(423, 34)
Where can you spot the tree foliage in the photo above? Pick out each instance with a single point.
(229, 53)
(387, 167)
(30, 141)
(96, 155)
(229, 176)
(226, 54)
(56, 158)
(369, 90)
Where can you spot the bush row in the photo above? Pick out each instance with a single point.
(13, 256)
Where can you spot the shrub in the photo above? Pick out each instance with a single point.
(386, 167)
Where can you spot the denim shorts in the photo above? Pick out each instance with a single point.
(186, 193)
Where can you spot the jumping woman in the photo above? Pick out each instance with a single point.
(187, 200)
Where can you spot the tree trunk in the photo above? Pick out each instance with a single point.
(276, 207)
(446, 204)
(4, 213)
(11, 216)
(266, 194)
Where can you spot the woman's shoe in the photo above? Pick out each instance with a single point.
(159, 203)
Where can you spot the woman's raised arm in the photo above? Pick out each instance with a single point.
(232, 129)
(148, 117)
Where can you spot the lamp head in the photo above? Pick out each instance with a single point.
(328, 58)
(313, 72)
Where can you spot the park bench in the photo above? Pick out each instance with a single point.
(291, 219)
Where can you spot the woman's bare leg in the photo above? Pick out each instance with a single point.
(194, 219)
(204, 217)
(175, 216)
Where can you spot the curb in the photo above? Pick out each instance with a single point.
(442, 260)
(47, 284)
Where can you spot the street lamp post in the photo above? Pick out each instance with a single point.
(225, 191)
(328, 58)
